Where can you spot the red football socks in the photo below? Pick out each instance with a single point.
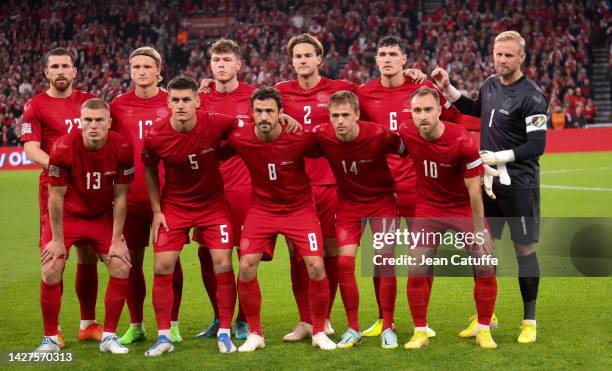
(86, 286)
(50, 304)
(318, 295)
(226, 297)
(331, 271)
(137, 290)
(349, 290)
(250, 299)
(114, 299)
(163, 297)
(387, 295)
(177, 287)
(485, 293)
(208, 277)
(418, 299)
(299, 284)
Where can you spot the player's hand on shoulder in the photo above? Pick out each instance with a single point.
(291, 125)
(205, 85)
(416, 75)
(440, 78)
(159, 220)
(119, 249)
(54, 250)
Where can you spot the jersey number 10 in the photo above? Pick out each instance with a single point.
(433, 169)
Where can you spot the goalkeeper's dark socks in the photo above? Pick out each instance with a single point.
(529, 281)
(163, 296)
(114, 299)
(208, 277)
(86, 286)
(177, 287)
(418, 293)
(250, 299)
(349, 290)
(485, 293)
(226, 297)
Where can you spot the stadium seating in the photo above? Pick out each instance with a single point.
(457, 36)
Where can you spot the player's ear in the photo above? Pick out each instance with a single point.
(320, 59)
(357, 115)
(197, 100)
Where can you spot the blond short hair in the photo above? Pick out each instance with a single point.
(512, 36)
(95, 103)
(149, 52)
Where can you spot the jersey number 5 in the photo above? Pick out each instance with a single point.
(193, 161)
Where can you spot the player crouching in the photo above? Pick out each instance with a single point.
(89, 172)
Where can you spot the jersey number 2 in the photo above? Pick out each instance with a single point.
(307, 112)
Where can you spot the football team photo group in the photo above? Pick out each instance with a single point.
(182, 181)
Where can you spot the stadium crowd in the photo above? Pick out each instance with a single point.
(102, 34)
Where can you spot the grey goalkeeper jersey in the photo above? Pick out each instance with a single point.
(508, 113)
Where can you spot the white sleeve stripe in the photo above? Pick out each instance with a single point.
(447, 104)
(402, 148)
(473, 164)
(129, 171)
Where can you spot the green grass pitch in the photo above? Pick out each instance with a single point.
(574, 320)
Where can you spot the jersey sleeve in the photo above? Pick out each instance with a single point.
(116, 123)
(393, 143)
(534, 110)
(59, 165)
(314, 149)
(31, 127)
(226, 124)
(471, 163)
(125, 172)
(149, 157)
(468, 106)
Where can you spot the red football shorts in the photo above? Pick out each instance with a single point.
(212, 220)
(239, 202)
(97, 232)
(350, 219)
(326, 199)
(406, 201)
(137, 229)
(301, 227)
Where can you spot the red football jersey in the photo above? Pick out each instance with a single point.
(133, 117)
(390, 107)
(361, 166)
(90, 175)
(192, 175)
(442, 165)
(236, 103)
(309, 108)
(45, 118)
(278, 176)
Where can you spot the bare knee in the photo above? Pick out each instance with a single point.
(117, 268)
(248, 269)
(316, 268)
(52, 272)
(222, 260)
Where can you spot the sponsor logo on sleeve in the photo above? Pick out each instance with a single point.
(535, 122)
(54, 171)
(26, 128)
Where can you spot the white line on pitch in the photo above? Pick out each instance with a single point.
(574, 188)
(574, 170)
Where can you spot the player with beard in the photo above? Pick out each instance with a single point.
(134, 114)
(47, 116)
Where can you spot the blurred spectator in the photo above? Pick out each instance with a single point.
(558, 118)
(458, 36)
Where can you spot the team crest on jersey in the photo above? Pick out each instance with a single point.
(536, 122)
(26, 128)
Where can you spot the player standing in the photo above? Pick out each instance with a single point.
(134, 114)
(230, 97)
(386, 101)
(89, 172)
(193, 196)
(357, 152)
(47, 116)
(512, 111)
(448, 190)
(305, 99)
(282, 204)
